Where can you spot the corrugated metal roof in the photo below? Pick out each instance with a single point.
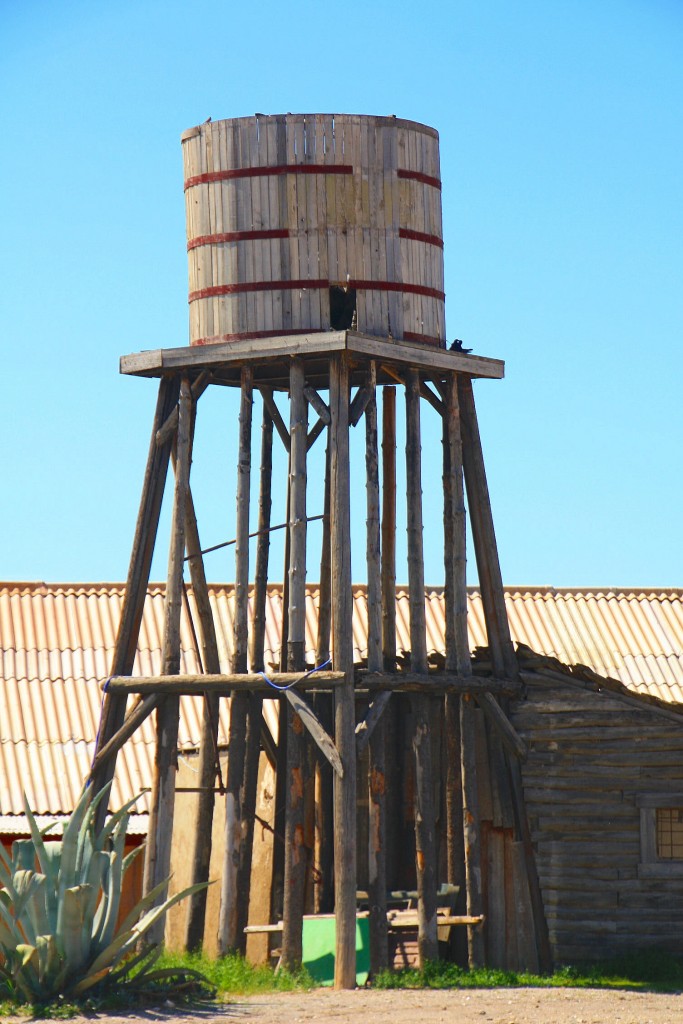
(57, 642)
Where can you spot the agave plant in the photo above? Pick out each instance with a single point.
(58, 924)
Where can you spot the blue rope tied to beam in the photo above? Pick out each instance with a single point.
(288, 686)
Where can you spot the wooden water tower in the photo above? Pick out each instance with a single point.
(316, 276)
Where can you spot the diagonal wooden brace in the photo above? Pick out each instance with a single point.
(316, 730)
(365, 729)
(278, 422)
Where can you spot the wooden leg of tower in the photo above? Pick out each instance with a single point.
(377, 874)
(503, 658)
(208, 749)
(342, 645)
(388, 556)
(254, 722)
(136, 585)
(229, 939)
(158, 860)
(425, 839)
(471, 829)
(295, 850)
(324, 889)
(278, 874)
(502, 652)
(457, 642)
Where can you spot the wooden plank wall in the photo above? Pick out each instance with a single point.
(591, 757)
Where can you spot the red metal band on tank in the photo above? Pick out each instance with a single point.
(262, 172)
(255, 286)
(424, 339)
(420, 236)
(397, 286)
(426, 179)
(281, 332)
(236, 236)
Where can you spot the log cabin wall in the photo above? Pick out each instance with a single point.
(599, 766)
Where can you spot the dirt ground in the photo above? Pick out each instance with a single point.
(493, 1006)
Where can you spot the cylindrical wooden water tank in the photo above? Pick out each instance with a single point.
(284, 211)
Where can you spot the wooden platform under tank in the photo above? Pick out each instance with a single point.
(269, 359)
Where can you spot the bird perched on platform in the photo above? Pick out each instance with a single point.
(457, 347)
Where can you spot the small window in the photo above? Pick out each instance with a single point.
(669, 833)
(661, 835)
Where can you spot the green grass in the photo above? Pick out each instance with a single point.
(652, 971)
(235, 976)
(232, 976)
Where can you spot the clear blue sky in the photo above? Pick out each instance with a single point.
(562, 167)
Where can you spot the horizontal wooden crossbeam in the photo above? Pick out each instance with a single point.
(435, 683)
(191, 685)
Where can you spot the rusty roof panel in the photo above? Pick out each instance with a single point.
(57, 643)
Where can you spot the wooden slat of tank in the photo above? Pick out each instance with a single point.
(344, 186)
(208, 251)
(247, 185)
(282, 194)
(203, 264)
(419, 253)
(312, 181)
(374, 171)
(323, 125)
(275, 218)
(249, 159)
(229, 202)
(293, 219)
(364, 223)
(381, 175)
(408, 219)
(264, 224)
(302, 223)
(355, 232)
(262, 299)
(432, 252)
(354, 148)
(331, 228)
(216, 225)
(392, 220)
(345, 198)
(240, 304)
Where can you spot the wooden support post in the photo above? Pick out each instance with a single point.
(471, 830)
(254, 723)
(208, 746)
(263, 544)
(278, 874)
(295, 851)
(503, 660)
(114, 709)
(388, 557)
(457, 642)
(229, 937)
(158, 859)
(324, 883)
(377, 874)
(342, 645)
(425, 838)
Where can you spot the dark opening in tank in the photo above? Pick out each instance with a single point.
(342, 307)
